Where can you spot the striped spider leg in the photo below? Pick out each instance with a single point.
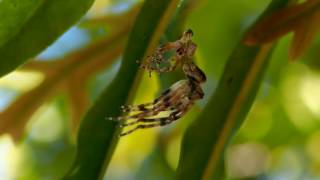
(175, 101)
(165, 103)
(183, 51)
(176, 113)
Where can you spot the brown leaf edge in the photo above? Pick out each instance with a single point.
(298, 18)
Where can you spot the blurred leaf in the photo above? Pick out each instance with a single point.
(79, 102)
(303, 19)
(113, 20)
(155, 167)
(13, 15)
(71, 71)
(98, 137)
(225, 111)
(303, 35)
(215, 38)
(46, 22)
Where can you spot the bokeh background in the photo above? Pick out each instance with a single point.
(280, 138)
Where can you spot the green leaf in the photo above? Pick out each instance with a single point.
(98, 137)
(69, 73)
(13, 14)
(155, 167)
(36, 30)
(205, 140)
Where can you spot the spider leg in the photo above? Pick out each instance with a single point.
(141, 126)
(140, 107)
(147, 109)
(176, 60)
(164, 97)
(139, 115)
(169, 68)
(159, 122)
(167, 101)
(153, 62)
(143, 120)
(168, 46)
(165, 105)
(147, 106)
(181, 109)
(155, 58)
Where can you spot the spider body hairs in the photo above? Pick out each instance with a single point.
(175, 101)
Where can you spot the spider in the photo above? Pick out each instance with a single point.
(175, 102)
(179, 98)
(182, 50)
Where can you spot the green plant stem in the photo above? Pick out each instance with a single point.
(98, 137)
(205, 140)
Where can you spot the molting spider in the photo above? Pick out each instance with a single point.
(183, 51)
(179, 98)
(175, 101)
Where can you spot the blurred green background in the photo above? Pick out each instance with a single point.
(280, 138)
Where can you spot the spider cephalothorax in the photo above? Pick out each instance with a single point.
(173, 103)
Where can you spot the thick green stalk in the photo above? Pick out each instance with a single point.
(97, 136)
(205, 140)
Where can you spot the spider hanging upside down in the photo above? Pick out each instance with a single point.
(175, 101)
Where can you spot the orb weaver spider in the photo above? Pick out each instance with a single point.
(174, 102)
